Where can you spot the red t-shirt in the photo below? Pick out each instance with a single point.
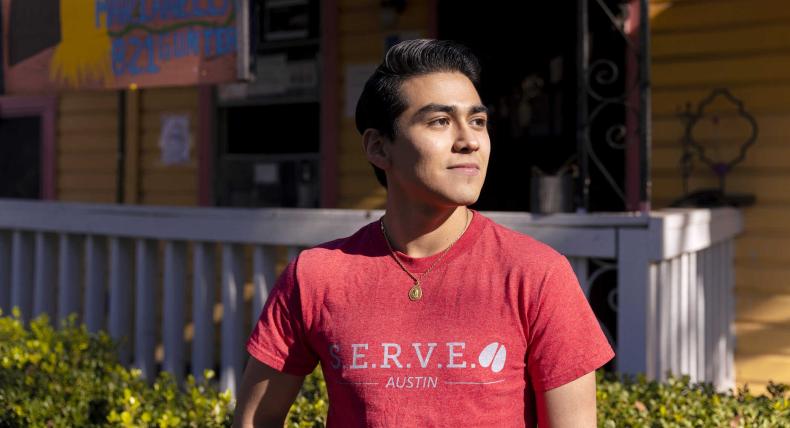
(502, 316)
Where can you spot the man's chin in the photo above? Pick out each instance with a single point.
(465, 200)
(447, 197)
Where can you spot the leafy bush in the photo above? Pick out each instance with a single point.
(309, 409)
(68, 377)
(71, 378)
(636, 402)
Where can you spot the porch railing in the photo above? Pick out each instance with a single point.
(156, 275)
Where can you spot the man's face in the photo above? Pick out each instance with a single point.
(441, 146)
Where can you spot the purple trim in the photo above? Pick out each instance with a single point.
(632, 148)
(204, 152)
(44, 106)
(330, 130)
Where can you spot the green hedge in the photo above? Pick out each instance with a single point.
(678, 403)
(67, 377)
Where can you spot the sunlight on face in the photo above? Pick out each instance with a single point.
(441, 148)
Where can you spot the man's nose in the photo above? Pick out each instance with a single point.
(467, 140)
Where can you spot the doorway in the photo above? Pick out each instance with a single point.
(27, 147)
(20, 157)
(529, 82)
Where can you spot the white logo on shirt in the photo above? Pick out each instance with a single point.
(362, 356)
(493, 355)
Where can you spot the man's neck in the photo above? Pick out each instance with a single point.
(421, 231)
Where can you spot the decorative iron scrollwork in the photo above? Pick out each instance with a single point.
(603, 295)
(600, 80)
(692, 147)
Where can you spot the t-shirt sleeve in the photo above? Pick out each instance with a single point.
(565, 341)
(279, 338)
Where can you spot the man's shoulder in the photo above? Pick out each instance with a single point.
(520, 246)
(339, 251)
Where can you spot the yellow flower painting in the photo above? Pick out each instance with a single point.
(83, 53)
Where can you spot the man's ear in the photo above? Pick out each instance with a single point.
(376, 148)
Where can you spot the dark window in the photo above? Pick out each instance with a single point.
(20, 157)
(273, 129)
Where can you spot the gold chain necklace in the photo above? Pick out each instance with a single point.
(415, 292)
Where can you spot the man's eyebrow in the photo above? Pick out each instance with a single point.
(478, 109)
(444, 108)
(435, 108)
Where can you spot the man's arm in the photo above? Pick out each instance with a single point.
(265, 396)
(569, 406)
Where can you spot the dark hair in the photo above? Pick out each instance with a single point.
(381, 102)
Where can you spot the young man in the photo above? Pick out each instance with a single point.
(433, 315)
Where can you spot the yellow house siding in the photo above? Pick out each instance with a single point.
(162, 184)
(743, 45)
(86, 145)
(362, 36)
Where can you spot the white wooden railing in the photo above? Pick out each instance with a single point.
(120, 267)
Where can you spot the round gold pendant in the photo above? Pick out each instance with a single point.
(415, 293)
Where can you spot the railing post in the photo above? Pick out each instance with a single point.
(69, 272)
(729, 306)
(145, 307)
(634, 313)
(232, 344)
(22, 273)
(263, 262)
(121, 302)
(173, 310)
(653, 329)
(683, 332)
(674, 316)
(96, 282)
(203, 308)
(702, 316)
(665, 334)
(710, 311)
(693, 318)
(44, 282)
(720, 332)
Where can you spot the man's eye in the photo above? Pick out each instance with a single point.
(442, 121)
(479, 122)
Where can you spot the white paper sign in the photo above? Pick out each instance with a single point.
(175, 139)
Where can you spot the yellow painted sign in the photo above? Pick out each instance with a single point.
(67, 44)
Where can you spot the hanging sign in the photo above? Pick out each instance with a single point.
(69, 44)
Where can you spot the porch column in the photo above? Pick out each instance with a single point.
(635, 301)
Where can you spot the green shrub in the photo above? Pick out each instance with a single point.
(68, 377)
(636, 402)
(309, 409)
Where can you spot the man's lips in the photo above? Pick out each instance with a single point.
(465, 168)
